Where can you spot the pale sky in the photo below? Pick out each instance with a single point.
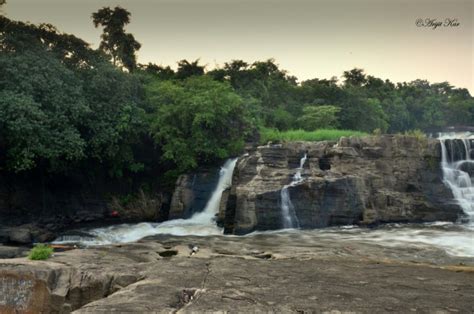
(309, 38)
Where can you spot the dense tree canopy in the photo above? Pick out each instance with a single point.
(64, 104)
(59, 109)
(41, 110)
(197, 120)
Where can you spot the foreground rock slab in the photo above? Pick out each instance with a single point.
(230, 274)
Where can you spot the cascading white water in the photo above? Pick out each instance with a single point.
(200, 224)
(455, 162)
(287, 209)
(212, 206)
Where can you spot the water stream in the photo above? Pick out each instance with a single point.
(455, 239)
(288, 213)
(200, 224)
(458, 167)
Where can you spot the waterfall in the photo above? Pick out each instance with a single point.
(212, 206)
(287, 209)
(200, 224)
(458, 166)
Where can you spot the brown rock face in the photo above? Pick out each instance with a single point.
(22, 292)
(49, 287)
(367, 180)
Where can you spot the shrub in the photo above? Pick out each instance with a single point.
(40, 252)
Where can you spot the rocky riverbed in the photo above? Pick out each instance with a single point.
(278, 272)
(355, 184)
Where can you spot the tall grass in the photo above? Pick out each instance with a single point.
(275, 135)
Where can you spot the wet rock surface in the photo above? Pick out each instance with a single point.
(266, 272)
(370, 180)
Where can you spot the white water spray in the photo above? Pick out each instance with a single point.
(287, 208)
(455, 167)
(212, 206)
(200, 224)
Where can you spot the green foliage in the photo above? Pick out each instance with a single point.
(64, 106)
(271, 87)
(116, 120)
(397, 113)
(361, 113)
(59, 116)
(117, 44)
(274, 135)
(187, 69)
(281, 119)
(354, 77)
(41, 110)
(40, 252)
(197, 120)
(164, 73)
(319, 117)
(72, 51)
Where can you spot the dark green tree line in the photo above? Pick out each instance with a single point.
(64, 104)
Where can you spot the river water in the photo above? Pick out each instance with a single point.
(455, 239)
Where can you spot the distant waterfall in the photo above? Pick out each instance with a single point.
(458, 168)
(287, 209)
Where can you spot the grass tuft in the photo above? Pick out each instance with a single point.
(274, 135)
(40, 252)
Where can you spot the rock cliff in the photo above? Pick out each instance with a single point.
(371, 180)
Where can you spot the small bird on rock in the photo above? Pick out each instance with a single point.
(194, 249)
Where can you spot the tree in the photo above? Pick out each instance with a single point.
(282, 119)
(267, 84)
(57, 117)
(41, 111)
(116, 119)
(319, 117)
(165, 73)
(317, 92)
(354, 77)
(187, 69)
(459, 110)
(197, 120)
(397, 113)
(120, 46)
(72, 51)
(358, 112)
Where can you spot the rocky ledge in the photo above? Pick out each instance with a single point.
(365, 181)
(259, 273)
